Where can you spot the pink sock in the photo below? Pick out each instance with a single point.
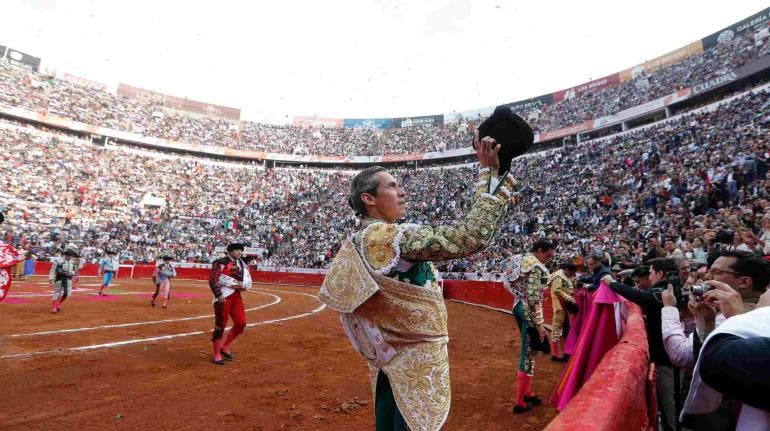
(522, 381)
(217, 345)
(230, 337)
(528, 388)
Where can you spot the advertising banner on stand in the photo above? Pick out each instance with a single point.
(473, 114)
(731, 76)
(22, 59)
(140, 94)
(566, 131)
(416, 121)
(595, 85)
(375, 123)
(663, 60)
(332, 123)
(753, 23)
(182, 104)
(532, 103)
(197, 107)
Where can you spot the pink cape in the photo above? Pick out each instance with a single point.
(598, 335)
(584, 300)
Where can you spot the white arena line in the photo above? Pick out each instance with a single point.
(276, 300)
(165, 337)
(44, 294)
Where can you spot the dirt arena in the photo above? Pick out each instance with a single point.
(114, 362)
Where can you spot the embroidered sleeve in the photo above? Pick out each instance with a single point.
(534, 306)
(464, 237)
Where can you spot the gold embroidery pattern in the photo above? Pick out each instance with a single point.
(413, 319)
(347, 283)
(419, 376)
(468, 236)
(406, 313)
(561, 289)
(377, 245)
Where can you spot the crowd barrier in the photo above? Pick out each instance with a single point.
(490, 294)
(146, 271)
(620, 395)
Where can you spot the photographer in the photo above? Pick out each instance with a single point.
(733, 363)
(736, 280)
(663, 271)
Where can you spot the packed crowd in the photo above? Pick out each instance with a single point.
(646, 86)
(59, 192)
(20, 87)
(680, 181)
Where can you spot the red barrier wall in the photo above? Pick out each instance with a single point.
(616, 397)
(489, 293)
(146, 271)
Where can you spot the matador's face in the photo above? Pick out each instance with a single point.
(390, 202)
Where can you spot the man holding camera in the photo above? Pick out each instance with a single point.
(663, 271)
(736, 280)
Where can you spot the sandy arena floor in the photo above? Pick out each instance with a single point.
(116, 363)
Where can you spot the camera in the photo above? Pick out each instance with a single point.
(700, 289)
(672, 278)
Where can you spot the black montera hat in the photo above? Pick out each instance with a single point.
(235, 246)
(70, 252)
(512, 133)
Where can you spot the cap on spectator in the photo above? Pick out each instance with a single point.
(235, 246)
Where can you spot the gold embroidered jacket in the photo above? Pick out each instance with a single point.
(561, 290)
(399, 324)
